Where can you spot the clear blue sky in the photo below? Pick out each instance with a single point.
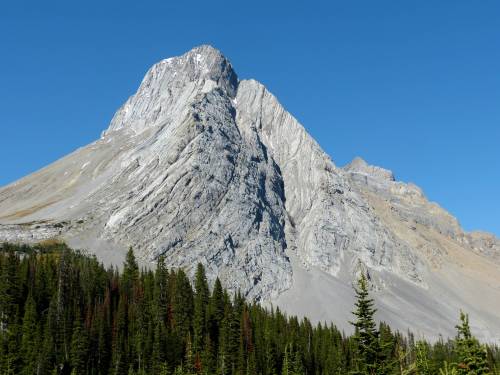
(413, 86)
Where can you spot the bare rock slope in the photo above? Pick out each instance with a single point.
(203, 167)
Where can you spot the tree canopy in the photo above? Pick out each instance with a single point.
(62, 312)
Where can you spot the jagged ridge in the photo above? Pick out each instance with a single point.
(202, 167)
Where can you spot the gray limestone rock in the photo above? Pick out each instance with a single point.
(202, 167)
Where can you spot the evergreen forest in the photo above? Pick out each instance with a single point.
(63, 312)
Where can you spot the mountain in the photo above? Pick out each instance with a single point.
(200, 166)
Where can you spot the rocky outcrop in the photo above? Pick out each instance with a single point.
(331, 224)
(202, 167)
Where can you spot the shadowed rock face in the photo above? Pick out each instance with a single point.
(201, 167)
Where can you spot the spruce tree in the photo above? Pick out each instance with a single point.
(387, 345)
(201, 298)
(471, 355)
(29, 341)
(130, 271)
(161, 291)
(182, 305)
(216, 311)
(366, 335)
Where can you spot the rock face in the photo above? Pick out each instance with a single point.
(202, 167)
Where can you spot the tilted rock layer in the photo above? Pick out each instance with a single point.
(202, 167)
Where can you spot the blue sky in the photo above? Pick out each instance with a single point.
(411, 86)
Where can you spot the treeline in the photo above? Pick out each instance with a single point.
(62, 312)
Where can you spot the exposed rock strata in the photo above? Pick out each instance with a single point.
(202, 167)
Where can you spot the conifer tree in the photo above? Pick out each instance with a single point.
(130, 271)
(216, 311)
(161, 290)
(11, 360)
(447, 369)
(29, 341)
(366, 335)
(297, 366)
(119, 362)
(387, 346)
(286, 367)
(207, 357)
(63, 322)
(188, 364)
(201, 298)
(103, 339)
(157, 356)
(163, 369)
(251, 364)
(143, 323)
(471, 355)
(79, 348)
(182, 305)
(422, 366)
(269, 350)
(9, 290)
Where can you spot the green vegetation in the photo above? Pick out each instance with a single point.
(62, 312)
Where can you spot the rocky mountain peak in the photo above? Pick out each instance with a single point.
(202, 168)
(171, 85)
(207, 63)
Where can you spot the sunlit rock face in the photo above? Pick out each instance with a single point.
(200, 166)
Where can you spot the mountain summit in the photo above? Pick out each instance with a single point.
(202, 167)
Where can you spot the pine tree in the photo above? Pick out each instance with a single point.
(471, 355)
(366, 335)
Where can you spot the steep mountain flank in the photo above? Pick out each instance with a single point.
(202, 167)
